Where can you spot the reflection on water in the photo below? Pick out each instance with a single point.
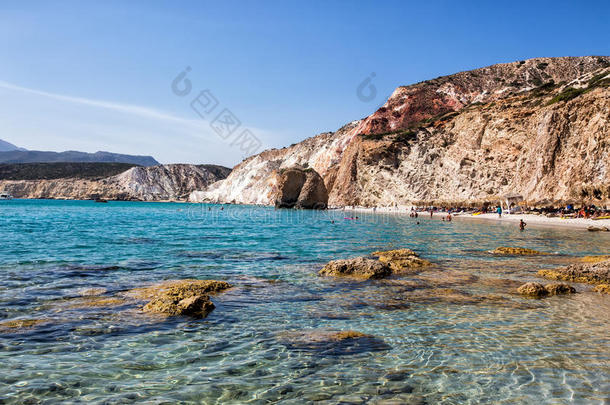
(455, 333)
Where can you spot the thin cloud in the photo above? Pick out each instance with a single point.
(145, 112)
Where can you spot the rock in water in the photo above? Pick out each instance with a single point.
(359, 267)
(594, 259)
(401, 260)
(533, 290)
(180, 297)
(332, 342)
(591, 273)
(559, 288)
(20, 324)
(602, 288)
(516, 251)
(539, 291)
(197, 306)
(301, 188)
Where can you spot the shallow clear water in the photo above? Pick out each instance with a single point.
(475, 343)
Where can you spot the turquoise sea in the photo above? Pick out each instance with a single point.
(454, 334)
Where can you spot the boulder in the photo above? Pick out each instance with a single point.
(533, 290)
(559, 288)
(197, 306)
(539, 291)
(591, 273)
(300, 188)
(401, 260)
(180, 297)
(359, 267)
(516, 251)
(598, 229)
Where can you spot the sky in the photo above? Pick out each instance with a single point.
(104, 75)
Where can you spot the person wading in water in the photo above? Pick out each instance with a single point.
(522, 225)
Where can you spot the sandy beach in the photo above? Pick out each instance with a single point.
(530, 219)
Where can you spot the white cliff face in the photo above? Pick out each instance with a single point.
(253, 180)
(516, 128)
(155, 183)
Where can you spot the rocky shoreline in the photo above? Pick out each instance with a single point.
(408, 279)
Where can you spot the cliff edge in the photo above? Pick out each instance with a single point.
(538, 128)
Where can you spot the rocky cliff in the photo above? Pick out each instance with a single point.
(298, 188)
(155, 183)
(538, 128)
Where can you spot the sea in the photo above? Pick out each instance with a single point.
(455, 333)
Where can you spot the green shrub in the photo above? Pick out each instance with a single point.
(567, 94)
(406, 136)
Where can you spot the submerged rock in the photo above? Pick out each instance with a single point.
(444, 278)
(401, 260)
(300, 188)
(533, 290)
(20, 324)
(445, 295)
(598, 229)
(89, 292)
(503, 283)
(594, 259)
(359, 267)
(94, 301)
(516, 251)
(180, 297)
(591, 273)
(332, 342)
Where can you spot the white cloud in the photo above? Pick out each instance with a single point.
(38, 119)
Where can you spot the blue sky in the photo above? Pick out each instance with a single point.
(90, 76)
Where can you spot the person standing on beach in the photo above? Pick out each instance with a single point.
(499, 211)
(522, 225)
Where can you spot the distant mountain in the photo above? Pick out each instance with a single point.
(7, 146)
(33, 156)
(110, 181)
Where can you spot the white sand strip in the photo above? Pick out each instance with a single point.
(530, 219)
